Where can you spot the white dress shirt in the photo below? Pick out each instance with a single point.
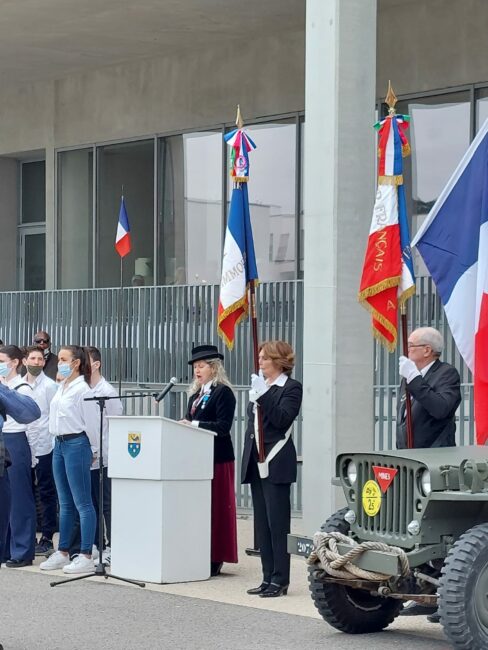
(92, 414)
(32, 429)
(68, 411)
(43, 391)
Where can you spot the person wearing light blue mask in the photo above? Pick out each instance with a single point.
(75, 448)
(21, 444)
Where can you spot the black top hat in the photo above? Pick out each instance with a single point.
(205, 352)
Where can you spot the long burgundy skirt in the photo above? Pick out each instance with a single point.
(224, 522)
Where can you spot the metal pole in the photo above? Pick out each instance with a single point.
(119, 327)
(254, 326)
(408, 403)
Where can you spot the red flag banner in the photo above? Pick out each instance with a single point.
(387, 277)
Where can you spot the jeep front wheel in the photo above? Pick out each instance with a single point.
(354, 611)
(463, 591)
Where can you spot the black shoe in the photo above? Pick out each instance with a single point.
(256, 591)
(15, 564)
(215, 568)
(273, 591)
(416, 609)
(434, 618)
(44, 546)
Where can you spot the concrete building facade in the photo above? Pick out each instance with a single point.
(106, 97)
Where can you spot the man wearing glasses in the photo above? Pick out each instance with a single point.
(435, 392)
(43, 341)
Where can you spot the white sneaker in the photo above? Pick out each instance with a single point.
(95, 553)
(55, 561)
(80, 564)
(106, 557)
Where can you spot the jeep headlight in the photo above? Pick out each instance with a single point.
(425, 483)
(351, 472)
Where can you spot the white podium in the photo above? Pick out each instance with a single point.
(161, 474)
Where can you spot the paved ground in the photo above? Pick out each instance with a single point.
(207, 615)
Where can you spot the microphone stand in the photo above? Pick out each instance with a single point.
(100, 568)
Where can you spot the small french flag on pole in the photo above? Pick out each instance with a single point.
(122, 240)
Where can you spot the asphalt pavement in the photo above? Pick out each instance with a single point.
(95, 614)
(90, 616)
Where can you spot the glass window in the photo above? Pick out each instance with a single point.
(439, 135)
(481, 107)
(190, 208)
(33, 204)
(127, 169)
(34, 256)
(272, 196)
(75, 219)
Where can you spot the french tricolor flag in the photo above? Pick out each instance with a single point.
(122, 240)
(453, 241)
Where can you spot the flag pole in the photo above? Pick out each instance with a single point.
(119, 327)
(255, 342)
(391, 101)
(254, 329)
(408, 403)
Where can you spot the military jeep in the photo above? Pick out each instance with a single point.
(427, 506)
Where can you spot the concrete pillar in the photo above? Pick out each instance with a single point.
(51, 226)
(9, 218)
(339, 189)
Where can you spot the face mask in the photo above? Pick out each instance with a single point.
(4, 369)
(64, 369)
(35, 371)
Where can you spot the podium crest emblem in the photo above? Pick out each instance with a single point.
(134, 444)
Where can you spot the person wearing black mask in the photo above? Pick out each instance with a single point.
(42, 340)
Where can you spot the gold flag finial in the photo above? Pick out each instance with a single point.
(391, 98)
(239, 120)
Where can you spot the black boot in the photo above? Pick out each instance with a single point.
(215, 568)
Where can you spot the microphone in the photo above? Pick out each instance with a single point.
(166, 390)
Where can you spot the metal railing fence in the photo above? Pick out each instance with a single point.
(157, 329)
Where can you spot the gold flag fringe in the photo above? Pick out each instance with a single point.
(378, 288)
(243, 304)
(402, 299)
(390, 180)
(406, 151)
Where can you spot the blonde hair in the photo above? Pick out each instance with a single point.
(281, 354)
(219, 376)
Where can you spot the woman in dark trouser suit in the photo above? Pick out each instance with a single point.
(279, 398)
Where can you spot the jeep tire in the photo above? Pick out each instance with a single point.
(354, 611)
(463, 591)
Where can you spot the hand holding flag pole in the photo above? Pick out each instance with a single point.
(239, 271)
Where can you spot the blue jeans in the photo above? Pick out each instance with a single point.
(71, 467)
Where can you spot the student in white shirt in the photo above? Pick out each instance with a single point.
(100, 387)
(75, 448)
(43, 389)
(21, 443)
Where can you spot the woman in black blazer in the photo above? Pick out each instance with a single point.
(211, 406)
(279, 398)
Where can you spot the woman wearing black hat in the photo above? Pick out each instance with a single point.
(211, 406)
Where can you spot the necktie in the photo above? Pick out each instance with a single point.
(195, 404)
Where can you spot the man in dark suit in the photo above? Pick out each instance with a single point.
(434, 388)
(435, 391)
